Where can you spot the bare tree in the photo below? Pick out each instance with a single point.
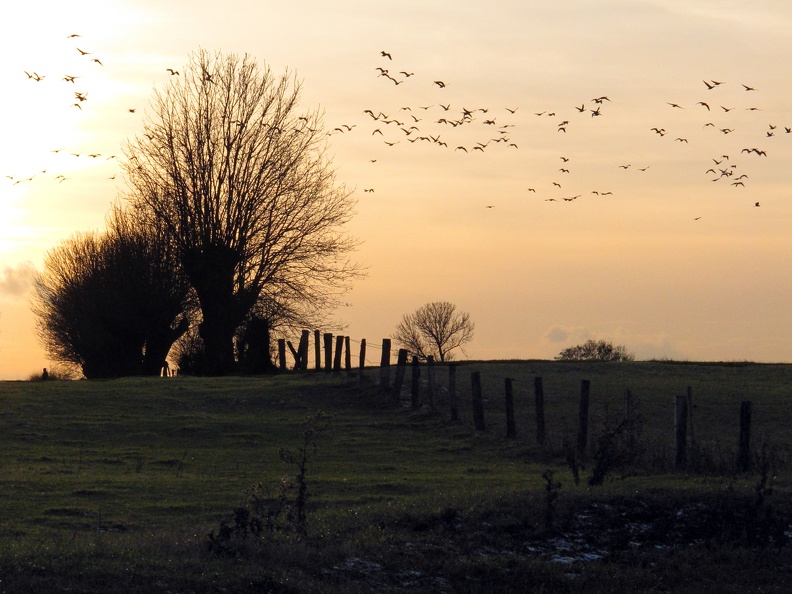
(241, 182)
(434, 329)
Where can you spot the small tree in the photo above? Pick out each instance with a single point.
(111, 304)
(434, 329)
(596, 350)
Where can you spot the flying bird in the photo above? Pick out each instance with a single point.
(704, 104)
(98, 61)
(747, 88)
(440, 84)
(172, 71)
(385, 54)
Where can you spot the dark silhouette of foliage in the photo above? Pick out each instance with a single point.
(111, 303)
(596, 350)
(434, 329)
(239, 180)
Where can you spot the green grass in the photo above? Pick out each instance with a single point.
(118, 483)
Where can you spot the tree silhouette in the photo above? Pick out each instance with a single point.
(113, 303)
(596, 350)
(240, 181)
(434, 329)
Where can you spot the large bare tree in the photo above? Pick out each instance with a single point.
(241, 181)
(434, 329)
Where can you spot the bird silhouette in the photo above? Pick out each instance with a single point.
(704, 104)
(747, 88)
(172, 71)
(83, 52)
(70, 78)
(440, 84)
(385, 54)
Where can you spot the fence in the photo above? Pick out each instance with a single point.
(425, 393)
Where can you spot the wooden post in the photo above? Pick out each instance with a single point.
(348, 355)
(415, 386)
(303, 350)
(690, 417)
(511, 427)
(430, 374)
(401, 369)
(282, 354)
(744, 455)
(680, 430)
(295, 353)
(339, 350)
(362, 357)
(540, 416)
(452, 392)
(328, 349)
(629, 415)
(585, 388)
(478, 403)
(317, 350)
(385, 364)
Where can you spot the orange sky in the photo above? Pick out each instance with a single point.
(675, 262)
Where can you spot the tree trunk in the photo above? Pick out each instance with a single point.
(211, 273)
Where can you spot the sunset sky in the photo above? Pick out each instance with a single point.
(659, 245)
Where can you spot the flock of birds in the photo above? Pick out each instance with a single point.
(80, 101)
(432, 124)
(467, 130)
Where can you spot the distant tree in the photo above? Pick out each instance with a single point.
(434, 329)
(240, 181)
(111, 303)
(596, 350)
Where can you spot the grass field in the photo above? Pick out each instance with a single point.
(115, 485)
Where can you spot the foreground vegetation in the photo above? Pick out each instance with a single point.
(117, 485)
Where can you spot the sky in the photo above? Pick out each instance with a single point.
(645, 217)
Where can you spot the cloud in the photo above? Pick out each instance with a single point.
(15, 282)
(567, 334)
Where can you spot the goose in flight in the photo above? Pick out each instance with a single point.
(440, 84)
(385, 54)
(172, 71)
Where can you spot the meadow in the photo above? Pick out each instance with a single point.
(117, 485)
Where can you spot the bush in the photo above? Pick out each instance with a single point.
(596, 350)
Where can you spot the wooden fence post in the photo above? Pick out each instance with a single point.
(362, 357)
(348, 356)
(339, 350)
(540, 416)
(415, 386)
(401, 369)
(478, 404)
(328, 349)
(690, 423)
(317, 350)
(385, 364)
(585, 388)
(295, 353)
(452, 392)
(680, 430)
(629, 415)
(430, 374)
(511, 427)
(744, 456)
(303, 350)
(282, 354)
